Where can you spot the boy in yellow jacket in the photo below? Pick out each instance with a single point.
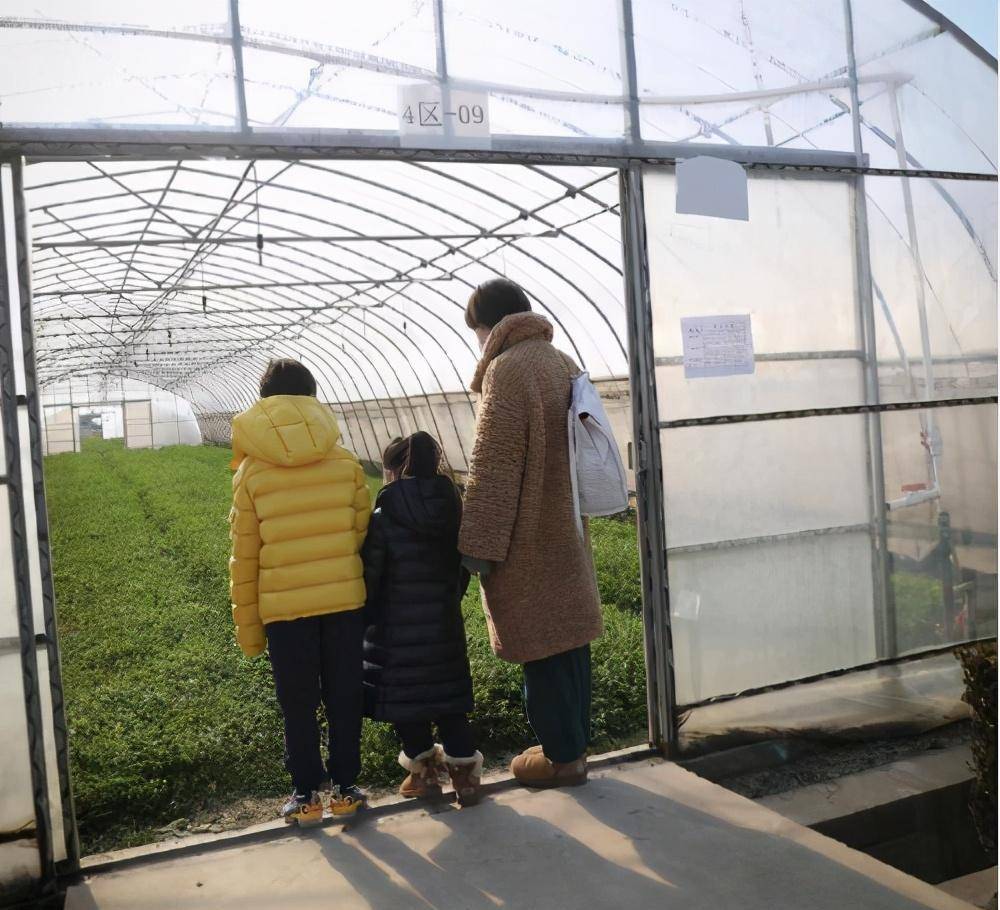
(299, 517)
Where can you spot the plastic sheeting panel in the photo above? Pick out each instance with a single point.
(59, 431)
(286, 87)
(38, 615)
(961, 521)
(769, 532)
(138, 425)
(136, 68)
(17, 813)
(790, 268)
(927, 102)
(754, 73)
(690, 57)
(769, 553)
(765, 522)
(19, 858)
(933, 248)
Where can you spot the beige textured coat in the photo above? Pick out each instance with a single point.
(541, 599)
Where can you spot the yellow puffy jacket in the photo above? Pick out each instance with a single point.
(299, 516)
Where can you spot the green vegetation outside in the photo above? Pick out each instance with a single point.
(165, 713)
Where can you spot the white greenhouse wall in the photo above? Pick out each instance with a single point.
(146, 416)
(367, 427)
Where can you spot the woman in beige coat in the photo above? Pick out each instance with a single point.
(520, 534)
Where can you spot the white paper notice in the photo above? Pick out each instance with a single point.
(717, 346)
(424, 115)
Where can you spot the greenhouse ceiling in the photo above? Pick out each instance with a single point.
(190, 275)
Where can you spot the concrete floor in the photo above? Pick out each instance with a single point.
(646, 834)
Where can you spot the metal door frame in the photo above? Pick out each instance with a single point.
(628, 156)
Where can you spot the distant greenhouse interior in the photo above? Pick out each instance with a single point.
(139, 414)
(192, 275)
(188, 190)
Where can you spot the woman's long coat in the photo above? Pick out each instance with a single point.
(541, 598)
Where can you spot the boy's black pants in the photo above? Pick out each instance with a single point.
(318, 659)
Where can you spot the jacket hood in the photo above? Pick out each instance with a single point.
(506, 333)
(429, 507)
(285, 430)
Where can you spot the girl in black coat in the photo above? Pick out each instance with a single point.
(415, 664)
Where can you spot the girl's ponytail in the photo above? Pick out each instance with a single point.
(418, 455)
(394, 456)
(424, 456)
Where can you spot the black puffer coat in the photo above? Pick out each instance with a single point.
(416, 667)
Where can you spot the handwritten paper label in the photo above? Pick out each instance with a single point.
(717, 346)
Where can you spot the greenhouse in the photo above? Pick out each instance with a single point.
(188, 190)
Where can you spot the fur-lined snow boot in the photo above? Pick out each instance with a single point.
(466, 774)
(427, 774)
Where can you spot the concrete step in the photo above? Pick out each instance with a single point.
(832, 799)
(978, 889)
(912, 814)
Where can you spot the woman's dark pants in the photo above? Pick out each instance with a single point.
(318, 659)
(557, 700)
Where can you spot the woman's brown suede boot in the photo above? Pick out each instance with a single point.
(532, 769)
(427, 773)
(466, 774)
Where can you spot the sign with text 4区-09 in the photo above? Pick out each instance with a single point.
(424, 113)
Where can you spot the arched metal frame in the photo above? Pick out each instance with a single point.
(137, 313)
(358, 336)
